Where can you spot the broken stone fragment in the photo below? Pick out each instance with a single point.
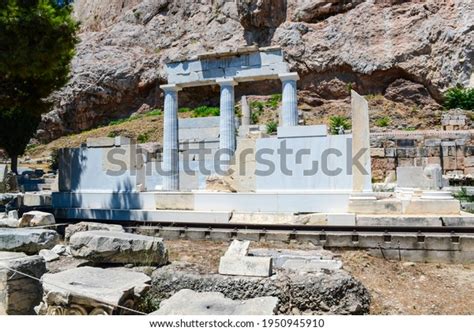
(92, 291)
(188, 302)
(118, 247)
(19, 294)
(91, 226)
(37, 218)
(236, 262)
(48, 255)
(238, 248)
(30, 241)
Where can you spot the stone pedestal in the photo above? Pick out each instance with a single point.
(289, 109)
(227, 142)
(170, 139)
(246, 114)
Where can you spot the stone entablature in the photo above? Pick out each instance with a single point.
(247, 64)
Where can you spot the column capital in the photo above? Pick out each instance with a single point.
(289, 76)
(170, 88)
(226, 81)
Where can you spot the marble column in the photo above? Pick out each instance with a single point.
(289, 109)
(170, 138)
(361, 171)
(227, 116)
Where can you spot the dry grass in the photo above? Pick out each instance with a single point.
(152, 126)
(399, 115)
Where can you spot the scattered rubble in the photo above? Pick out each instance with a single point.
(236, 262)
(188, 302)
(29, 241)
(323, 292)
(92, 291)
(118, 247)
(48, 255)
(18, 293)
(300, 261)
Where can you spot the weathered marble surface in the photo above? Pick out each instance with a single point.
(118, 247)
(20, 294)
(188, 302)
(91, 291)
(30, 241)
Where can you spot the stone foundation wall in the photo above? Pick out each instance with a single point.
(453, 150)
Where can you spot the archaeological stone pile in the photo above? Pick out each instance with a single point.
(100, 269)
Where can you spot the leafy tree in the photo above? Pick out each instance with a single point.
(37, 39)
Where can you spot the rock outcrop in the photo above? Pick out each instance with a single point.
(333, 45)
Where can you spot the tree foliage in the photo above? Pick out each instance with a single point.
(37, 39)
(459, 97)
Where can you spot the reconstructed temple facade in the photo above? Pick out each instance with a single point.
(210, 169)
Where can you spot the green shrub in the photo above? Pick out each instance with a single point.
(143, 138)
(184, 110)
(349, 87)
(205, 111)
(383, 121)
(272, 127)
(274, 101)
(257, 106)
(120, 121)
(459, 97)
(148, 303)
(335, 122)
(113, 134)
(463, 195)
(154, 112)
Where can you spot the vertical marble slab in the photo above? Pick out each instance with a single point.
(361, 165)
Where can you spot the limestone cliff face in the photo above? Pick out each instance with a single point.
(371, 46)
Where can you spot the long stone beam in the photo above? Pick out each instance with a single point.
(259, 65)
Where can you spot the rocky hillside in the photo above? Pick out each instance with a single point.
(406, 52)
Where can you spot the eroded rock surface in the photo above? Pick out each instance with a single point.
(333, 45)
